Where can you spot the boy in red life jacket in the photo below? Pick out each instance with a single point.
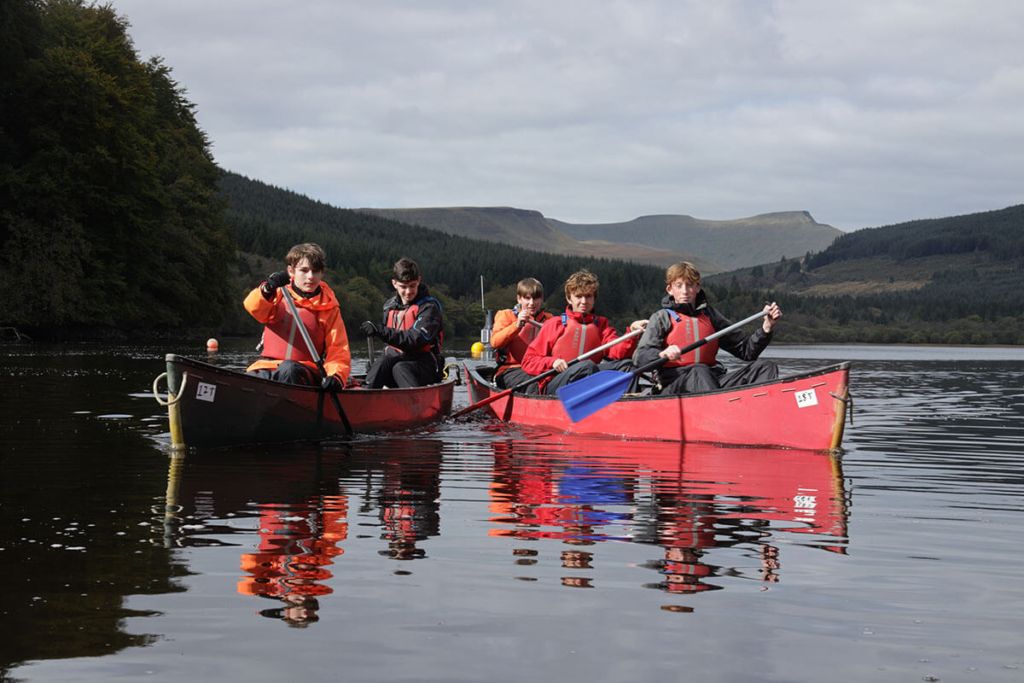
(686, 317)
(285, 356)
(574, 333)
(514, 329)
(413, 331)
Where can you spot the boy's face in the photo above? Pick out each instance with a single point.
(581, 302)
(304, 277)
(530, 304)
(684, 292)
(406, 290)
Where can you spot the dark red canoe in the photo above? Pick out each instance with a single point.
(805, 410)
(210, 406)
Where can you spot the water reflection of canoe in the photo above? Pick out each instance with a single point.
(688, 499)
(805, 410)
(218, 407)
(695, 488)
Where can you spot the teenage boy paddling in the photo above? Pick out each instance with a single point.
(574, 333)
(285, 355)
(686, 317)
(413, 330)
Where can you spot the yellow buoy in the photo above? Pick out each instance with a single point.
(477, 349)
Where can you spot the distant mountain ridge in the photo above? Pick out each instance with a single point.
(532, 230)
(714, 246)
(738, 243)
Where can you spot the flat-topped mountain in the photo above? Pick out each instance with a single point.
(714, 246)
(738, 243)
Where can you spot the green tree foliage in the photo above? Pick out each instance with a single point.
(267, 221)
(995, 232)
(106, 180)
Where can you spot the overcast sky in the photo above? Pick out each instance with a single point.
(862, 112)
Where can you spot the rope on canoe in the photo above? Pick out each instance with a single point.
(170, 401)
(458, 376)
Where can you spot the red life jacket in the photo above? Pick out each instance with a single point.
(577, 338)
(685, 331)
(282, 340)
(405, 319)
(521, 340)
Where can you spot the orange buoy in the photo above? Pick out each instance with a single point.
(211, 344)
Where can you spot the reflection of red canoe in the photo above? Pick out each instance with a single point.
(696, 488)
(217, 407)
(805, 410)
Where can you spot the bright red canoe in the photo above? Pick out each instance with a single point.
(214, 407)
(806, 410)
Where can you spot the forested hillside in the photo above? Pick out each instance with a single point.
(956, 280)
(108, 213)
(115, 220)
(361, 248)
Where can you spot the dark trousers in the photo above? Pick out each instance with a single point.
(290, 372)
(514, 376)
(394, 370)
(586, 368)
(700, 378)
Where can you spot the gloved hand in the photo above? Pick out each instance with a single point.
(332, 383)
(278, 279)
(369, 329)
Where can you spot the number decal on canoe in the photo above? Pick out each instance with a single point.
(206, 392)
(806, 398)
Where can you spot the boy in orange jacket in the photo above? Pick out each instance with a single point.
(514, 329)
(285, 357)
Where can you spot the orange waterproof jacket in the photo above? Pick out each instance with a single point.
(506, 335)
(335, 351)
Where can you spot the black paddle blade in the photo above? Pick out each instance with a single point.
(588, 395)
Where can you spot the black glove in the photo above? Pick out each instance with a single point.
(332, 383)
(369, 329)
(278, 279)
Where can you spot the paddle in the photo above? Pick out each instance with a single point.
(316, 359)
(588, 395)
(543, 375)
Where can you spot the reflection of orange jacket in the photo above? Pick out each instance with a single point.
(295, 550)
(506, 334)
(336, 355)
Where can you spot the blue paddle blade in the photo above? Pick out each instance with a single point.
(588, 395)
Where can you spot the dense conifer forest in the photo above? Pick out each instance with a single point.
(109, 217)
(116, 221)
(362, 248)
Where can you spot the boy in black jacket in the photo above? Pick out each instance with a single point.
(686, 317)
(412, 330)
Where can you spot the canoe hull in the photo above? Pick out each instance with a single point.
(217, 407)
(806, 411)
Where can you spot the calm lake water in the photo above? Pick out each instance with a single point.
(476, 552)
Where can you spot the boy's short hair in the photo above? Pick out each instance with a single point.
(313, 252)
(530, 288)
(405, 270)
(685, 270)
(581, 282)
